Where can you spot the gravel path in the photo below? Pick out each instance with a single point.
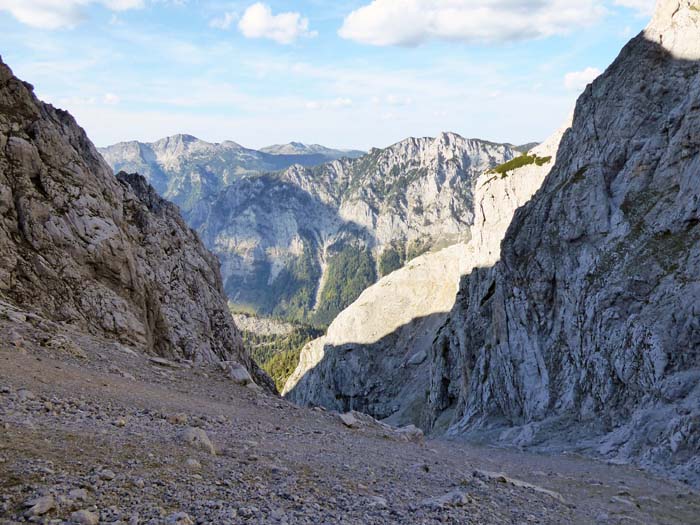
(91, 431)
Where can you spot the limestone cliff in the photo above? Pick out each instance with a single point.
(103, 253)
(374, 355)
(586, 334)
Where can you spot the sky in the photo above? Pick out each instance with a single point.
(343, 73)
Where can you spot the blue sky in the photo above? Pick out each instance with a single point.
(346, 73)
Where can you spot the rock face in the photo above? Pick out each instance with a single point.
(291, 242)
(374, 355)
(185, 169)
(586, 334)
(105, 254)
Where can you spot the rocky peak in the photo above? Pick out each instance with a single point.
(584, 335)
(675, 28)
(101, 254)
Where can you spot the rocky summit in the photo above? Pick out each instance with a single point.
(585, 335)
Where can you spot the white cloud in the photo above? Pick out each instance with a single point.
(645, 7)
(56, 14)
(224, 21)
(340, 102)
(284, 28)
(111, 99)
(577, 80)
(412, 22)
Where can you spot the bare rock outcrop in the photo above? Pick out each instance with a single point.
(103, 253)
(585, 335)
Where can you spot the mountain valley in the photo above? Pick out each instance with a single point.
(445, 330)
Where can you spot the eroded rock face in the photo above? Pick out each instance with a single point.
(103, 253)
(586, 334)
(374, 357)
(279, 235)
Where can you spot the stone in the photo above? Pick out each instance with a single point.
(502, 478)
(40, 506)
(238, 374)
(179, 518)
(411, 433)
(78, 494)
(198, 438)
(417, 358)
(163, 362)
(454, 498)
(378, 502)
(25, 395)
(193, 464)
(178, 419)
(349, 420)
(106, 475)
(120, 422)
(16, 317)
(85, 517)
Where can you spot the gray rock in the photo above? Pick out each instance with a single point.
(78, 494)
(179, 518)
(85, 517)
(198, 438)
(25, 395)
(103, 253)
(349, 420)
(238, 374)
(106, 475)
(193, 464)
(586, 334)
(410, 433)
(454, 498)
(417, 358)
(40, 506)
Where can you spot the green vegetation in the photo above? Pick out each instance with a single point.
(349, 273)
(278, 354)
(578, 176)
(417, 248)
(391, 260)
(519, 162)
(294, 289)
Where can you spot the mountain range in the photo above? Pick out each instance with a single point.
(303, 242)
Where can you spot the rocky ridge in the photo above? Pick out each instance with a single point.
(585, 335)
(185, 169)
(298, 148)
(101, 253)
